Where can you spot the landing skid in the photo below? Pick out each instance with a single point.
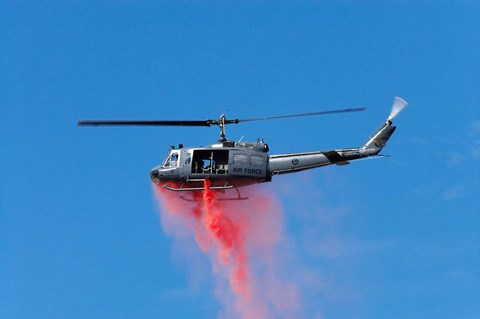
(196, 199)
(184, 188)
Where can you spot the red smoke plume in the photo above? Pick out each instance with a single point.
(243, 237)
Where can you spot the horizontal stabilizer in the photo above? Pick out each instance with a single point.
(335, 158)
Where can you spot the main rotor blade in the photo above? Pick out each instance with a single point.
(220, 122)
(355, 109)
(144, 123)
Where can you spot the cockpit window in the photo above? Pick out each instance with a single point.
(172, 160)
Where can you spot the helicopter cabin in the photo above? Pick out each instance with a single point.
(213, 161)
(229, 167)
(231, 161)
(208, 161)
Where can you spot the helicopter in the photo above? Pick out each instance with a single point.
(231, 164)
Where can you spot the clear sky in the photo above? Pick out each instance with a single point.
(80, 234)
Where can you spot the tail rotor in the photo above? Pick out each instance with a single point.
(398, 105)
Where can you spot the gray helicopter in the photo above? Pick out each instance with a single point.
(230, 164)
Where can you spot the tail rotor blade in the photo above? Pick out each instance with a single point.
(398, 105)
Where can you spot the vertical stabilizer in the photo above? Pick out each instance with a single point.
(383, 134)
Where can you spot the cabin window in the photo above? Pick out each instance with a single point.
(256, 160)
(240, 159)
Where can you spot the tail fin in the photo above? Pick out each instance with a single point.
(379, 140)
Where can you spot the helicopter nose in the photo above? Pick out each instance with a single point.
(155, 176)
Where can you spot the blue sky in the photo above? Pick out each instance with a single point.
(80, 235)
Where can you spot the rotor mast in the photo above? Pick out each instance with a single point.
(221, 124)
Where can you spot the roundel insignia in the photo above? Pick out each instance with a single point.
(295, 161)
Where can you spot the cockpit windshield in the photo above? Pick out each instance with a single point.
(171, 160)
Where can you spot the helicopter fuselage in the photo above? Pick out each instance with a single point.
(226, 165)
(236, 164)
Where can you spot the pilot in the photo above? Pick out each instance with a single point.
(174, 160)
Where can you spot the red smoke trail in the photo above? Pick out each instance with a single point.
(243, 236)
(231, 242)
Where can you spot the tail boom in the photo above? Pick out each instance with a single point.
(294, 162)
